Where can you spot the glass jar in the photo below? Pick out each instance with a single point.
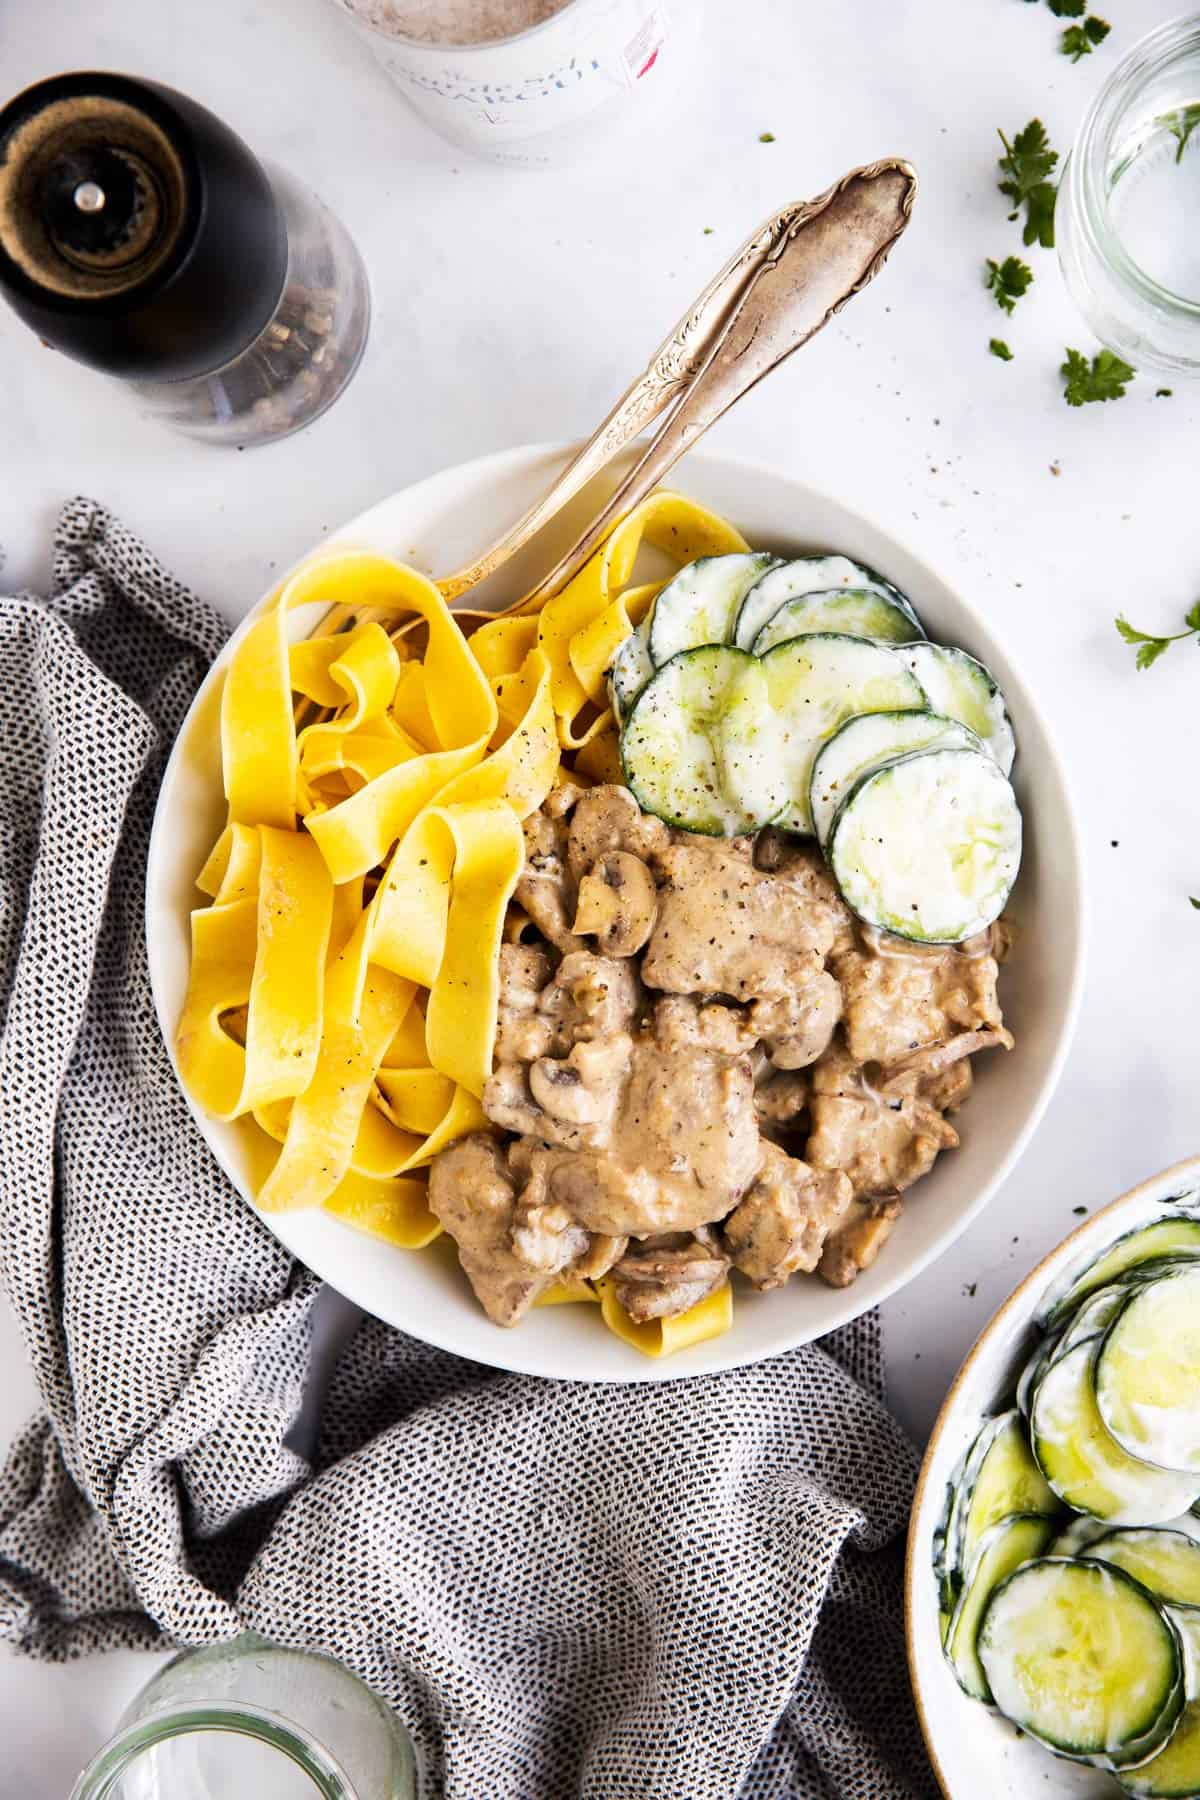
(532, 95)
(249, 1719)
(1128, 216)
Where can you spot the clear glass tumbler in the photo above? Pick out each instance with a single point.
(247, 1720)
(1128, 219)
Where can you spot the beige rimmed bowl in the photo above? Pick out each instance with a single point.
(438, 525)
(975, 1753)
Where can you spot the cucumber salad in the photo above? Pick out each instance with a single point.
(1068, 1554)
(805, 694)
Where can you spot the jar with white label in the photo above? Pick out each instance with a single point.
(528, 82)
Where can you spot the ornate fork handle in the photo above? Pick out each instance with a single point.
(675, 363)
(823, 253)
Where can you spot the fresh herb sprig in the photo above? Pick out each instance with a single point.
(999, 348)
(1027, 164)
(1078, 41)
(1104, 378)
(1067, 9)
(1150, 648)
(1181, 125)
(1008, 281)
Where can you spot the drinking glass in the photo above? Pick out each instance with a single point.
(247, 1718)
(1128, 216)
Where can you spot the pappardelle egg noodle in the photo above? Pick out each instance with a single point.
(381, 781)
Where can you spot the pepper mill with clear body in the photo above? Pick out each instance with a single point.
(139, 235)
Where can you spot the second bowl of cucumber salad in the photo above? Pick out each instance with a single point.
(1053, 1586)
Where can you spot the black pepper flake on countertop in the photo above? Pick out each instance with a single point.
(971, 1289)
(1079, 1210)
(1115, 842)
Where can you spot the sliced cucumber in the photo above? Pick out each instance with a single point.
(1175, 1236)
(928, 847)
(810, 575)
(1093, 1318)
(943, 1572)
(1148, 1373)
(1075, 1537)
(962, 689)
(1008, 1544)
(1031, 1374)
(700, 605)
(1000, 1478)
(815, 684)
(867, 742)
(1174, 1773)
(1087, 1326)
(631, 670)
(699, 749)
(853, 612)
(1166, 1562)
(1081, 1462)
(1084, 1660)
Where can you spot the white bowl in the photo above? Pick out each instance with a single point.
(975, 1753)
(438, 524)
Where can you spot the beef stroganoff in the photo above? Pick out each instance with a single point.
(518, 931)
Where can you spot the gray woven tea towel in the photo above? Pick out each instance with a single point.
(679, 1592)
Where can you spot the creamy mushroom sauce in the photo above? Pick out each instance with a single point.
(702, 1062)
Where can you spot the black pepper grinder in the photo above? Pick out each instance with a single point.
(141, 236)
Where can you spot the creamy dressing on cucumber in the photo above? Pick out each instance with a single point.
(853, 612)
(1083, 1464)
(814, 684)
(1165, 1561)
(1159, 1237)
(962, 689)
(700, 605)
(929, 846)
(1148, 1373)
(808, 575)
(698, 748)
(866, 742)
(1081, 1657)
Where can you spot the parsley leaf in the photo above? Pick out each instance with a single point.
(1067, 9)
(1104, 378)
(1080, 40)
(1181, 125)
(1150, 648)
(999, 348)
(766, 137)
(1194, 901)
(1026, 165)
(1008, 280)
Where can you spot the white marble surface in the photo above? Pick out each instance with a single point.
(514, 306)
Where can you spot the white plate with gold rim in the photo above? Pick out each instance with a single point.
(976, 1754)
(437, 525)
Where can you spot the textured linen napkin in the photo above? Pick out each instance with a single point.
(679, 1592)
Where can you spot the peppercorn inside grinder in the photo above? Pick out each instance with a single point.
(141, 236)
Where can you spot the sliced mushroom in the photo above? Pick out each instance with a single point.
(583, 1087)
(907, 1075)
(618, 904)
(600, 1255)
